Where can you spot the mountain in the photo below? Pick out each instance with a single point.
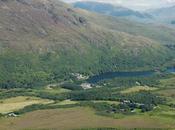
(165, 15)
(109, 9)
(45, 41)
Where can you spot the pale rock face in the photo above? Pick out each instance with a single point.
(80, 76)
(86, 86)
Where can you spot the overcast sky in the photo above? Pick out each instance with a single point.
(135, 4)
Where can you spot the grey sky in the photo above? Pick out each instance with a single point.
(135, 4)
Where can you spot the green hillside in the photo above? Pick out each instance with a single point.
(45, 41)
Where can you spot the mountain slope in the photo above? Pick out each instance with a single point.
(45, 41)
(117, 11)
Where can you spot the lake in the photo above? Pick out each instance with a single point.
(111, 75)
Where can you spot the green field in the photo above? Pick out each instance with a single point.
(167, 89)
(138, 88)
(16, 103)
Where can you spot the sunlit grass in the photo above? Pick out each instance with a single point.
(138, 88)
(15, 103)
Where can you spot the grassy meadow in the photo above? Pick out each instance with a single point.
(16, 103)
(77, 118)
(138, 88)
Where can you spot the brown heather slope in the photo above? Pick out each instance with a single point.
(43, 24)
(32, 24)
(45, 40)
(78, 118)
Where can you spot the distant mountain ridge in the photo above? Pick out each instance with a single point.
(109, 9)
(165, 15)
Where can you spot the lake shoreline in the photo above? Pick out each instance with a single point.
(110, 75)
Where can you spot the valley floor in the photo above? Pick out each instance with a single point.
(77, 118)
(52, 108)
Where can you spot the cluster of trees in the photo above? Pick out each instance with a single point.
(45, 95)
(172, 105)
(29, 71)
(110, 94)
(71, 86)
(132, 81)
(94, 94)
(124, 107)
(143, 100)
(13, 93)
(129, 107)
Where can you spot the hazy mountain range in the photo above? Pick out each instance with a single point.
(162, 15)
(133, 4)
(165, 15)
(118, 11)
